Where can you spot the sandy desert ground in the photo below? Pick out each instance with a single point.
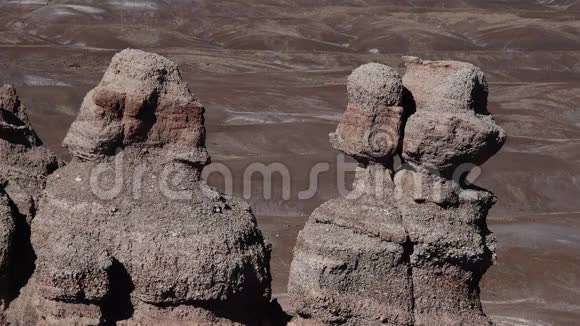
(272, 75)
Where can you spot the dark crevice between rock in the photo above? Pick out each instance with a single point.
(24, 262)
(479, 95)
(276, 315)
(238, 307)
(117, 305)
(11, 118)
(408, 250)
(19, 135)
(409, 108)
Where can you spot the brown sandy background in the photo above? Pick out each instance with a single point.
(272, 73)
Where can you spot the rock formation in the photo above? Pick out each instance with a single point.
(25, 164)
(371, 127)
(410, 244)
(349, 261)
(451, 125)
(127, 233)
(142, 99)
(7, 251)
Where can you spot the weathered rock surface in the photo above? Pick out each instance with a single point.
(406, 247)
(351, 261)
(127, 233)
(7, 250)
(452, 249)
(195, 253)
(451, 125)
(446, 85)
(25, 162)
(142, 99)
(444, 218)
(371, 128)
(351, 266)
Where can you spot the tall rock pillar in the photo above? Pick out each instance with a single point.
(351, 261)
(449, 133)
(127, 233)
(409, 245)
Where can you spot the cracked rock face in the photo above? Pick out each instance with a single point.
(132, 236)
(25, 162)
(371, 128)
(406, 247)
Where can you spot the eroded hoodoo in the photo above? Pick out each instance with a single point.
(127, 233)
(410, 244)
